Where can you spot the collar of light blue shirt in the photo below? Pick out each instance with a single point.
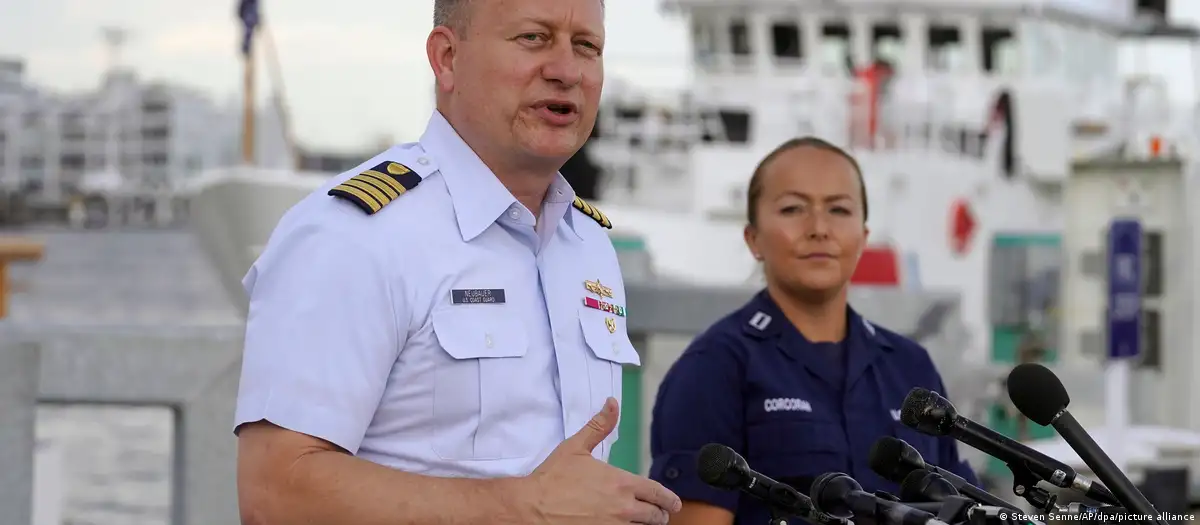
(479, 197)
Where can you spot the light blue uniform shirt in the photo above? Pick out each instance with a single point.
(442, 333)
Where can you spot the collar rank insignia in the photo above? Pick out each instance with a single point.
(375, 188)
(592, 212)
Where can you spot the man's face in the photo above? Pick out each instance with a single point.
(528, 75)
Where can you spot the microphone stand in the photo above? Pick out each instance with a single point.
(1025, 485)
(779, 516)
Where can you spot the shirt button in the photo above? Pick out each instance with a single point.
(616, 348)
(514, 214)
(672, 473)
(487, 340)
(423, 161)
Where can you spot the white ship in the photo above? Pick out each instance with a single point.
(967, 118)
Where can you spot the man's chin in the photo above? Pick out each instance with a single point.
(553, 146)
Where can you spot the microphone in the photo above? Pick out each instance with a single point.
(929, 413)
(1040, 396)
(894, 460)
(923, 485)
(840, 496)
(723, 468)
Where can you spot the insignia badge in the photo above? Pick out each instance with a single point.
(614, 309)
(592, 213)
(611, 324)
(598, 289)
(377, 187)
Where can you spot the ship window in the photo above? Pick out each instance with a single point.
(1154, 8)
(999, 50)
(786, 38)
(835, 48)
(1151, 357)
(739, 38)
(945, 48)
(736, 124)
(1152, 265)
(704, 40)
(887, 43)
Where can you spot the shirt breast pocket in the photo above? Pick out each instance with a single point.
(796, 447)
(478, 384)
(610, 350)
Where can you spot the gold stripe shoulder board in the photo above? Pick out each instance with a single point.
(592, 212)
(376, 187)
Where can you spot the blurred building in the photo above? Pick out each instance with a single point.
(125, 134)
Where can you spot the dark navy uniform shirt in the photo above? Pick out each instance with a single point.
(793, 408)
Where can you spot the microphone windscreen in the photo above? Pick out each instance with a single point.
(713, 462)
(910, 487)
(885, 458)
(917, 401)
(1037, 392)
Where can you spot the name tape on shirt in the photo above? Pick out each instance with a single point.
(786, 404)
(477, 296)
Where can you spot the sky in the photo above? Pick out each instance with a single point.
(352, 74)
(355, 74)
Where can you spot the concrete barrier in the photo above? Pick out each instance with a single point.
(196, 375)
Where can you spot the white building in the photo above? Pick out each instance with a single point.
(124, 135)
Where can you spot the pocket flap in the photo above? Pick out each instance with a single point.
(473, 332)
(610, 345)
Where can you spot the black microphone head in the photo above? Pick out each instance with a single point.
(829, 494)
(893, 458)
(926, 486)
(1037, 392)
(927, 412)
(912, 485)
(720, 466)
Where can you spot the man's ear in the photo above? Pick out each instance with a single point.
(441, 47)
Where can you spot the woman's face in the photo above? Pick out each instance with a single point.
(809, 230)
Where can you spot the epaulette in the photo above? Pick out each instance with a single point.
(375, 188)
(592, 212)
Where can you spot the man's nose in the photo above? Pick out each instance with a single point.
(563, 65)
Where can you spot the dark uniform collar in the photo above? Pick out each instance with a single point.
(764, 321)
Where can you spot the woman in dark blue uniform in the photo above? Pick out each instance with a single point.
(795, 381)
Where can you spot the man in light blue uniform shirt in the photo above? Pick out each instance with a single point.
(438, 335)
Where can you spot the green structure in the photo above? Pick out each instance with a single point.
(627, 451)
(1023, 301)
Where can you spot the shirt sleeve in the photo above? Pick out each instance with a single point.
(321, 334)
(699, 402)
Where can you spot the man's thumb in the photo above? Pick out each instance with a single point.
(599, 427)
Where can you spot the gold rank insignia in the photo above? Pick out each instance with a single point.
(592, 212)
(375, 188)
(611, 324)
(597, 288)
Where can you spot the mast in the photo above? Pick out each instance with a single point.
(248, 13)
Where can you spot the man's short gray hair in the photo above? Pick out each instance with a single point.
(450, 13)
(453, 13)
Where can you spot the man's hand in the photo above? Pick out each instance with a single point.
(571, 486)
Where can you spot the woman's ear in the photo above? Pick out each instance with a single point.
(750, 235)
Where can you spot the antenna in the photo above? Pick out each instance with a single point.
(114, 39)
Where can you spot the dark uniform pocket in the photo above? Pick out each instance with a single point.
(796, 449)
